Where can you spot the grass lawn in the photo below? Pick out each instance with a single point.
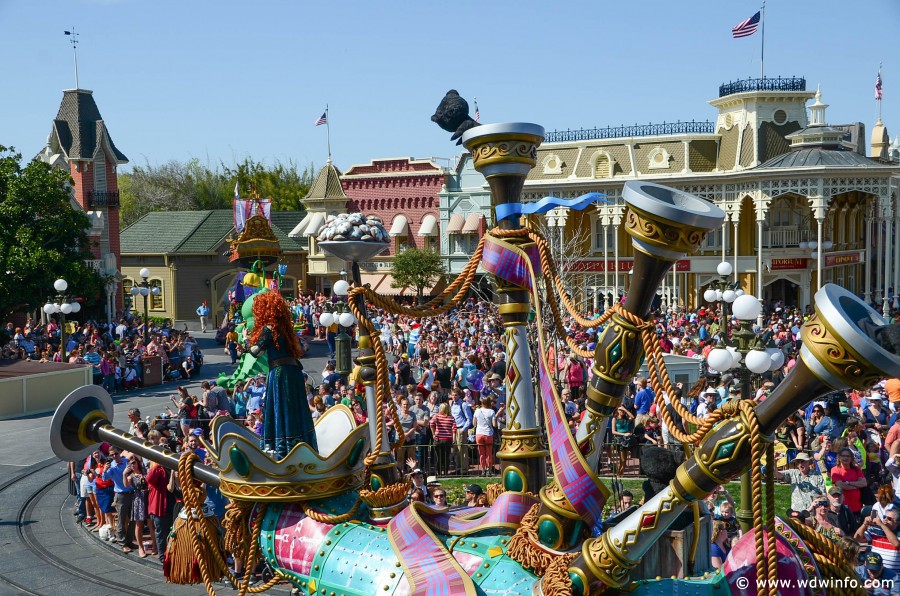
(456, 492)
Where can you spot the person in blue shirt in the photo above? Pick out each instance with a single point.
(643, 399)
(124, 495)
(462, 415)
(203, 313)
(880, 580)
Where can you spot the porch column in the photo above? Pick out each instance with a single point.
(735, 220)
(879, 249)
(605, 260)
(724, 239)
(616, 260)
(867, 240)
(896, 275)
(820, 222)
(888, 220)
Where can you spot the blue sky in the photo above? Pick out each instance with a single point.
(227, 79)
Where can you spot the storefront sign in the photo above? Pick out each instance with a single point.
(625, 265)
(788, 264)
(847, 258)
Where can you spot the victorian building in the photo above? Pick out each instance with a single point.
(404, 193)
(80, 143)
(805, 204)
(465, 209)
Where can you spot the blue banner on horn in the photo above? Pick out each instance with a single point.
(547, 203)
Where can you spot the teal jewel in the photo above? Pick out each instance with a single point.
(240, 462)
(376, 482)
(512, 481)
(724, 450)
(577, 584)
(576, 533)
(616, 354)
(548, 533)
(353, 457)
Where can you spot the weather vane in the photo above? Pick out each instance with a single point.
(74, 41)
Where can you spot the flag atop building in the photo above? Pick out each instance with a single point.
(323, 119)
(746, 28)
(878, 93)
(477, 113)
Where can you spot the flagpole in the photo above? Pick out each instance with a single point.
(879, 100)
(762, 45)
(328, 131)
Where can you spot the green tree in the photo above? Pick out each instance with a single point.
(417, 268)
(192, 185)
(42, 238)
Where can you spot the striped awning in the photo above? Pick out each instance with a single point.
(429, 226)
(456, 223)
(381, 284)
(315, 224)
(399, 227)
(473, 223)
(297, 232)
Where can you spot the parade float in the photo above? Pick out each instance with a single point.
(333, 518)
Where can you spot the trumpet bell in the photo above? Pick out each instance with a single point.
(70, 436)
(667, 223)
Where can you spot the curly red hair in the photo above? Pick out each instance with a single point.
(270, 309)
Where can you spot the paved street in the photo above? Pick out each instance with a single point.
(41, 549)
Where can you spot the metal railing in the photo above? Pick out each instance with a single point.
(785, 238)
(103, 198)
(763, 84)
(637, 130)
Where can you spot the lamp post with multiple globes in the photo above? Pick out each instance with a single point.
(749, 353)
(62, 304)
(338, 312)
(145, 290)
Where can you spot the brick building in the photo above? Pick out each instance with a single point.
(404, 193)
(79, 142)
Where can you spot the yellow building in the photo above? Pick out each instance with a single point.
(804, 203)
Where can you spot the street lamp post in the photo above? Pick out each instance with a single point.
(750, 353)
(338, 312)
(62, 304)
(145, 290)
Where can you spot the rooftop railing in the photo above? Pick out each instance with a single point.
(763, 84)
(637, 130)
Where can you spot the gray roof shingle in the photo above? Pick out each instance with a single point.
(79, 126)
(196, 232)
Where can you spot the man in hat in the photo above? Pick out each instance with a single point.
(840, 514)
(707, 402)
(880, 580)
(495, 389)
(472, 493)
(404, 371)
(806, 482)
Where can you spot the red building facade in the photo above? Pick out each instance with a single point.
(404, 193)
(80, 143)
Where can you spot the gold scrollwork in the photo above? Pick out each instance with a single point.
(293, 491)
(510, 149)
(820, 339)
(605, 563)
(553, 499)
(521, 444)
(670, 236)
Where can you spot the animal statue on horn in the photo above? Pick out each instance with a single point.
(328, 512)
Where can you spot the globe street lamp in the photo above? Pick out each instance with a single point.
(722, 290)
(750, 353)
(62, 305)
(145, 290)
(337, 312)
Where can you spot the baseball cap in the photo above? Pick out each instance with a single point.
(836, 491)
(874, 562)
(474, 489)
(197, 432)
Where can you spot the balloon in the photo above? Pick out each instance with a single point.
(475, 380)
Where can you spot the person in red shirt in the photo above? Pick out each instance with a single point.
(849, 478)
(158, 506)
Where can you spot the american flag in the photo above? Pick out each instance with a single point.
(878, 93)
(746, 28)
(477, 113)
(323, 119)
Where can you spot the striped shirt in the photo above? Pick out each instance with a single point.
(890, 554)
(443, 427)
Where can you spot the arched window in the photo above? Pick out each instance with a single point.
(156, 300)
(127, 284)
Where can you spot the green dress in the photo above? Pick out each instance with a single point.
(287, 419)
